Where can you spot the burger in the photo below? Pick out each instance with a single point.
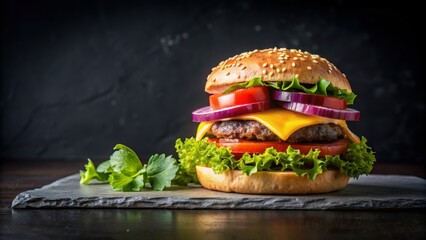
(276, 124)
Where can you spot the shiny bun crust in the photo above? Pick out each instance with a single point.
(270, 182)
(274, 64)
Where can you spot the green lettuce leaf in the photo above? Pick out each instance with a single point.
(322, 87)
(358, 160)
(192, 153)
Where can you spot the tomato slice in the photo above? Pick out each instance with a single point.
(240, 146)
(239, 97)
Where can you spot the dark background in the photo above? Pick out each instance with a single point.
(77, 77)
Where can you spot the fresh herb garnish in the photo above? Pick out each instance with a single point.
(125, 172)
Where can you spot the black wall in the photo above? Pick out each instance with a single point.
(77, 77)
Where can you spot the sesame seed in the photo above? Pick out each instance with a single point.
(293, 64)
(329, 71)
(255, 50)
(227, 74)
(270, 52)
(297, 75)
(344, 75)
(309, 67)
(238, 77)
(243, 67)
(238, 64)
(275, 49)
(292, 50)
(314, 61)
(303, 59)
(299, 55)
(283, 69)
(295, 58)
(214, 79)
(271, 66)
(264, 72)
(281, 61)
(271, 74)
(278, 70)
(265, 65)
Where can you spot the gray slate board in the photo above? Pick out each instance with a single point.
(368, 192)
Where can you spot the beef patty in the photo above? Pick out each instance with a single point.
(252, 130)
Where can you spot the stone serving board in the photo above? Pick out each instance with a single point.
(368, 192)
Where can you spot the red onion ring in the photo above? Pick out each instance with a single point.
(206, 114)
(325, 101)
(346, 114)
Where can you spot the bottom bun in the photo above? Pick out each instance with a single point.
(270, 182)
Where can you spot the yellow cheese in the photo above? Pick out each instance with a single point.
(282, 122)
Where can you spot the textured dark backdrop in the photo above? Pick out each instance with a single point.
(79, 76)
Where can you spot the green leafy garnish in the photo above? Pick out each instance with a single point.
(124, 160)
(160, 173)
(192, 153)
(121, 182)
(91, 173)
(125, 172)
(322, 87)
(358, 160)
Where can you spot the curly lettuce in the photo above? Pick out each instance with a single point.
(322, 87)
(359, 159)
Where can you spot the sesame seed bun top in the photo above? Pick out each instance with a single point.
(274, 64)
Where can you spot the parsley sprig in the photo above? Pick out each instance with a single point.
(125, 172)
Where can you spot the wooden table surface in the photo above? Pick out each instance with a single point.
(20, 175)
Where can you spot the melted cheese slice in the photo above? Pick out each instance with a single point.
(282, 122)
